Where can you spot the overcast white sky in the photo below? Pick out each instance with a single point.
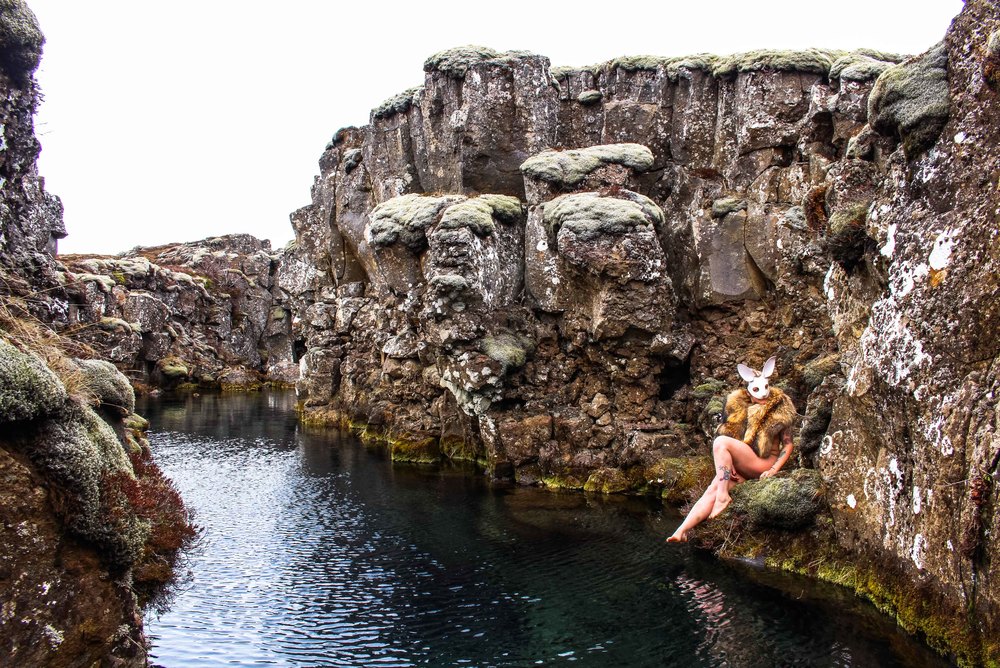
(174, 121)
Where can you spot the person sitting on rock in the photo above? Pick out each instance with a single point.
(754, 441)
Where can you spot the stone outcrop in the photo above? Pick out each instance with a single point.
(198, 313)
(87, 520)
(555, 271)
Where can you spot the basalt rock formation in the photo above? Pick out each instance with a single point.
(87, 519)
(555, 271)
(198, 313)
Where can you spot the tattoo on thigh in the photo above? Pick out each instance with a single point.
(726, 473)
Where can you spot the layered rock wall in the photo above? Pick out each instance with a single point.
(678, 216)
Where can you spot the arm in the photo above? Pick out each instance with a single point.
(786, 452)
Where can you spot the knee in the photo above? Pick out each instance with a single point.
(719, 444)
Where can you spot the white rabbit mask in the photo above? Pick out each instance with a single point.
(757, 381)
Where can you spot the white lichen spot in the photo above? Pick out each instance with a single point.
(780, 245)
(960, 137)
(53, 635)
(916, 500)
(542, 246)
(917, 553)
(851, 501)
(941, 253)
(951, 548)
(890, 242)
(827, 288)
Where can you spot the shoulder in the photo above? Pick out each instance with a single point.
(737, 399)
(784, 405)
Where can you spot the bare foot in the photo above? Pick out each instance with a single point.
(678, 537)
(721, 503)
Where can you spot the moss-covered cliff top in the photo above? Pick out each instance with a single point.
(861, 64)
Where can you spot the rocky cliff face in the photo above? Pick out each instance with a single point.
(87, 519)
(555, 272)
(197, 313)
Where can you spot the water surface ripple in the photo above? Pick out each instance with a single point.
(319, 552)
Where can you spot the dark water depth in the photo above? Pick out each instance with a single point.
(319, 552)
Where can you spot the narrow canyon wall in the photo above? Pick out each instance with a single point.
(555, 271)
(88, 524)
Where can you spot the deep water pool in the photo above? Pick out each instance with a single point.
(318, 551)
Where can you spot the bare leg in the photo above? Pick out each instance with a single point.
(698, 514)
(734, 459)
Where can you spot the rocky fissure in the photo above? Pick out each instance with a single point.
(553, 272)
(677, 216)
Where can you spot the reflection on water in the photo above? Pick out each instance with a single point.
(319, 552)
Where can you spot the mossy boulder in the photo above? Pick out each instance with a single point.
(607, 481)
(846, 236)
(784, 502)
(861, 66)
(726, 205)
(89, 472)
(405, 219)
(511, 351)
(911, 100)
(590, 97)
(109, 385)
(480, 213)
(173, 368)
(569, 168)
(590, 215)
(28, 388)
(21, 39)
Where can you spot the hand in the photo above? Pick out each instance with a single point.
(768, 473)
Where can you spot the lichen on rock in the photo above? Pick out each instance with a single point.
(456, 62)
(511, 351)
(570, 168)
(911, 100)
(28, 388)
(859, 66)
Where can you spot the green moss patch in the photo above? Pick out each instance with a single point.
(456, 62)
(405, 219)
(589, 215)
(570, 168)
(858, 66)
(607, 481)
(397, 104)
(28, 388)
(783, 502)
(815, 61)
(511, 351)
(109, 385)
(727, 205)
(478, 213)
(911, 100)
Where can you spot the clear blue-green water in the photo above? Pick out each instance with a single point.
(319, 552)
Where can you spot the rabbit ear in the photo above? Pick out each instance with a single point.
(746, 373)
(768, 367)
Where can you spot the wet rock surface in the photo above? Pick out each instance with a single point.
(679, 216)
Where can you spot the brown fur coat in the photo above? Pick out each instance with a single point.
(758, 425)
